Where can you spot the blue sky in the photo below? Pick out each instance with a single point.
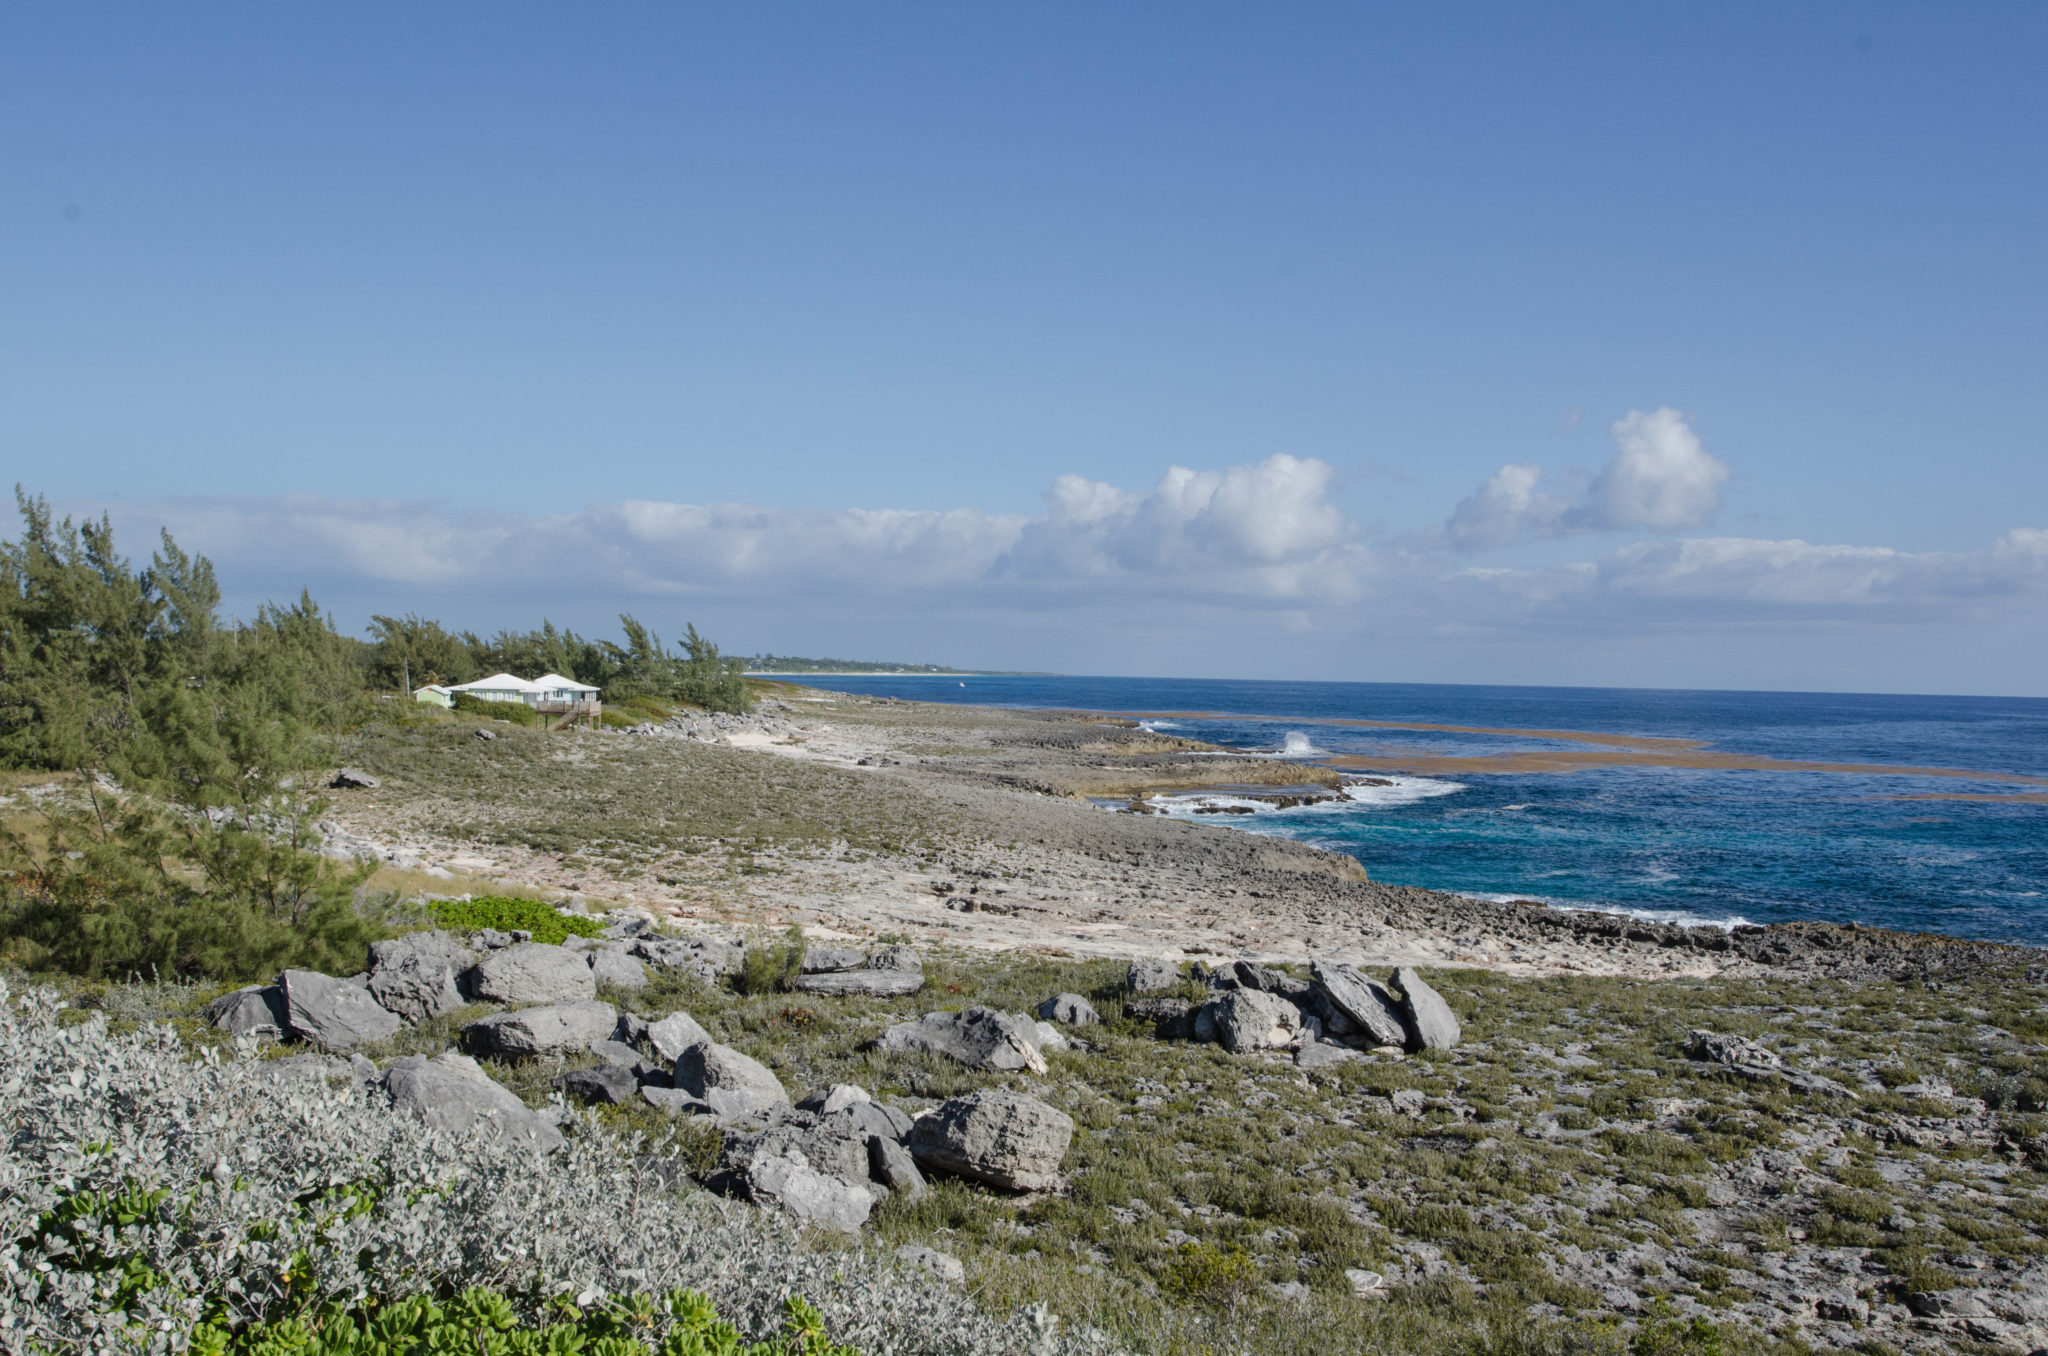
(789, 320)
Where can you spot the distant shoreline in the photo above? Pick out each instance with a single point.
(890, 673)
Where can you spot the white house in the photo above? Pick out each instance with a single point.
(553, 687)
(548, 690)
(501, 687)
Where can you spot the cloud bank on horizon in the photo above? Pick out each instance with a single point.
(1263, 537)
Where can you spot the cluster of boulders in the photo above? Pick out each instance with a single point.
(826, 1159)
(831, 1156)
(1326, 1019)
(420, 975)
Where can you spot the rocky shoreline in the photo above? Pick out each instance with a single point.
(1167, 1078)
(1019, 798)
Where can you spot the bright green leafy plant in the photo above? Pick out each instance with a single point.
(507, 914)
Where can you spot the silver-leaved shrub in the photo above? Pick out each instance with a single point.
(145, 1188)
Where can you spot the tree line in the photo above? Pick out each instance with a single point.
(184, 838)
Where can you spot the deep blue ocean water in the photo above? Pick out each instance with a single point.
(1666, 842)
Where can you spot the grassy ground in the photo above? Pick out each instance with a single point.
(1572, 1182)
(644, 805)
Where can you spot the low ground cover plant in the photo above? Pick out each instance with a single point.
(505, 913)
(487, 1322)
(153, 1192)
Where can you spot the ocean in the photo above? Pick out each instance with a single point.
(1687, 806)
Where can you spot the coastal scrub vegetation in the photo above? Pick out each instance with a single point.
(162, 1199)
(174, 828)
(1568, 1180)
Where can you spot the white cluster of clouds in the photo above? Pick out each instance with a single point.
(1660, 479)
(1265, 531)
(1723, 579)
(1265, 536)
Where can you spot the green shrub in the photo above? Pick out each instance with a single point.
(772, 969)
(483, 1321)
(192, 936)
(1211, 1274)
(621, 718)
(130, 890)
(519, 713)
(503, 913)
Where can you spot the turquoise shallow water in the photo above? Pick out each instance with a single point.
(1682, 843)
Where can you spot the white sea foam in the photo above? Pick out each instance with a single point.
(1397, 791)
(1683, 916)
(1155, 726)
(1299, 745)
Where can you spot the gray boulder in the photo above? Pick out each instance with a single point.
(705, 1068)
(705, 958)
(1371, 1011)
(1152, 976)
(416, 987)
(532, 972)
(1069, 1009)
(858, 1109)
(863, 1119)
(1431, 1023)
(1324, 1055)
(781, 1176)
(616, 967)
(674, 1034)
(820, 960)
(741, 1104)
(865, 983)
(1172, 1019)
(675, 1102)
(450, 1093)
(980, 1038)
(1005, 1139)
(891, 972)
(335, 1014)
(1251, 975)
(835, 1145)
(836, 1098)
(1252, 1019)
(1736, 1052)
(258, 1010)
(438, 945)
(890, 1164)
(605, 1083)
(557, 1029)
(353, 779)
(616, 1053)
